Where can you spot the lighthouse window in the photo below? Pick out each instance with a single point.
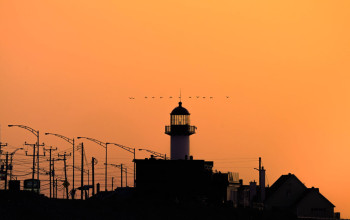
(180, 119)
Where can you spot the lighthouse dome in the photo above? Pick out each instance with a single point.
(180, 110)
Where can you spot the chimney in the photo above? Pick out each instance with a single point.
(252, 191)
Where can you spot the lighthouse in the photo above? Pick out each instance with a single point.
(180, 130)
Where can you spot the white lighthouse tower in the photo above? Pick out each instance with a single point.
(180, 131)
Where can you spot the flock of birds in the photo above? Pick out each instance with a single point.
(170, 97)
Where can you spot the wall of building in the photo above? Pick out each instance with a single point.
(180, 147)
(314, 205)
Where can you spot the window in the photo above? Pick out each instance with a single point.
(180, 120)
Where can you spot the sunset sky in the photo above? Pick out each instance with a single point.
(68, 67)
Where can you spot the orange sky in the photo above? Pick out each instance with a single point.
(68, 67)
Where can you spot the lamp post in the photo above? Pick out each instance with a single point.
(12, 154)
(36, 133)
(131, 150)
(155, 153)
(103, 144)
(71, 141)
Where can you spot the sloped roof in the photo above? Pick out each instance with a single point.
(283, 179)
(308, 191)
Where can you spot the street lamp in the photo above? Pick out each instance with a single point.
(156, 153)
(36, 133)
(103, 144)
(131, 150)
(71, 141)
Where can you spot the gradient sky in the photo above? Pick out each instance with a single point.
(68, 67)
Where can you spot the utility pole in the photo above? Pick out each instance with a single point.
(135, 167)
(50, 160)
(72, 142)
(33, 172)
(36, 133)
(12, 154)
(93, 175)
(132, 150)
(105, 145)
(2, 145)
(7, 164)
(106, 169)
(38, 155)
(73, 169)
(53, 178)
(88, 172)
(11, 166)
(88, 193)
(121, 175)
(82, 170)
(65, 172)
(34, 162)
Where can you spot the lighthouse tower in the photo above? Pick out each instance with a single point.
(180, 131)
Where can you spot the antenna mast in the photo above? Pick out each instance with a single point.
(180, 95)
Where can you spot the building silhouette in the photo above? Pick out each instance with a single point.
(288, 193)
(186, 178)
